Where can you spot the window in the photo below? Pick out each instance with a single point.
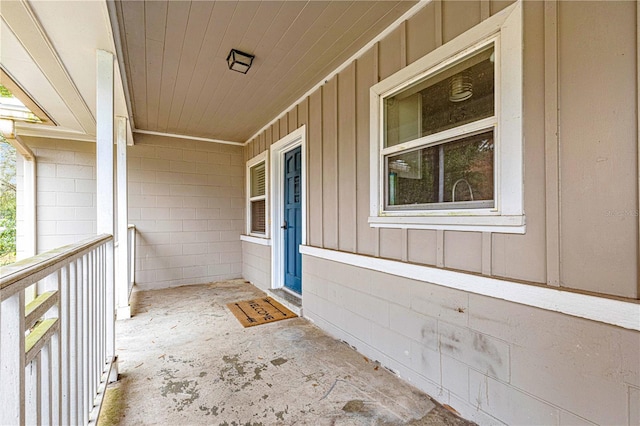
(447, 135)
(257, 196)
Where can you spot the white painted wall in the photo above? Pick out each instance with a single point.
(256, 264)
(186, 199)
(66, 192)
(494, 361)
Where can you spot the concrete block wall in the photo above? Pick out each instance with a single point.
(186, 199)
(493, 361)
(66, 192)
(256, 264)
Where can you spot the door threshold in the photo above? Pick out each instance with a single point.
(287, 298)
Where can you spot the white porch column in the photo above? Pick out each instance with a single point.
(122, 276)
(104, 180)
(29, 194)
(29, 242)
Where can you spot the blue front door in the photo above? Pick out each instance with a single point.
(293, 220)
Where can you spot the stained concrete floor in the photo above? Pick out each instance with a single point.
(184, 359)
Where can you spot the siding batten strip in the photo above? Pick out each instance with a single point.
(321, 142)
(485, 9)
(552, 161)
(336, 129)
(403, 44)
(376, 72)
(638, 139)
(354, 134)
(438, 23)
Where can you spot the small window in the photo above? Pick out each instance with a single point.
(447, 135)
(257, 196)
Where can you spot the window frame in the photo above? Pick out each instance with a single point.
(255, 161)
(504, 30)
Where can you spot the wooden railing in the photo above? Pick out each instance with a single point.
(56, 353)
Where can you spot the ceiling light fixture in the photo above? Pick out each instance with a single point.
(239, 61)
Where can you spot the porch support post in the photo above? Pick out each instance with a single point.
(122, 276)
(29, 242)
(29, 161)
(104, 180)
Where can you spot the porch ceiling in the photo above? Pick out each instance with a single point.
(175, 58)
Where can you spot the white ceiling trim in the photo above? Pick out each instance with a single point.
(26, 27)
(192, 138)
(50, 132)
(408, 14)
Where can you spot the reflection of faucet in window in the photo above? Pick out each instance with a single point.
(453, 190)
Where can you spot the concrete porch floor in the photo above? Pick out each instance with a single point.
(184, 359)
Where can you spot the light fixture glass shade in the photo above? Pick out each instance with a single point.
(239, 61)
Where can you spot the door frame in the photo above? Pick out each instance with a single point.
(295, 139)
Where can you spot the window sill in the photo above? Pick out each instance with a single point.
(501, 224)
(256, 240)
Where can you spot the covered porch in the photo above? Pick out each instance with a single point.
(430, 182)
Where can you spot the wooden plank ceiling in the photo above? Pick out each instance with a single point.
(175, 57)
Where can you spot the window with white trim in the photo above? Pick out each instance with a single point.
(257, 196)
(447, 135)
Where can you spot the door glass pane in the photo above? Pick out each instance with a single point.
(459, 172)
(460, 94)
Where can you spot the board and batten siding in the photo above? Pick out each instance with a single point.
(580, 150)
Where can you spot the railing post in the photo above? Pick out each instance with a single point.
(32, 396)
(53, 283)
(12, 368)
(86, 333)
(45, 385)
(63, 284)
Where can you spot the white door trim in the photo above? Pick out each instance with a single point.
(291, 141)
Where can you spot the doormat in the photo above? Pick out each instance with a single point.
(259, 311)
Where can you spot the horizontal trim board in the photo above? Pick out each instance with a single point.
(50, 132)
(408, 14)
(609, 311)
(481, 223)
(193, 138)
(256, 240)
